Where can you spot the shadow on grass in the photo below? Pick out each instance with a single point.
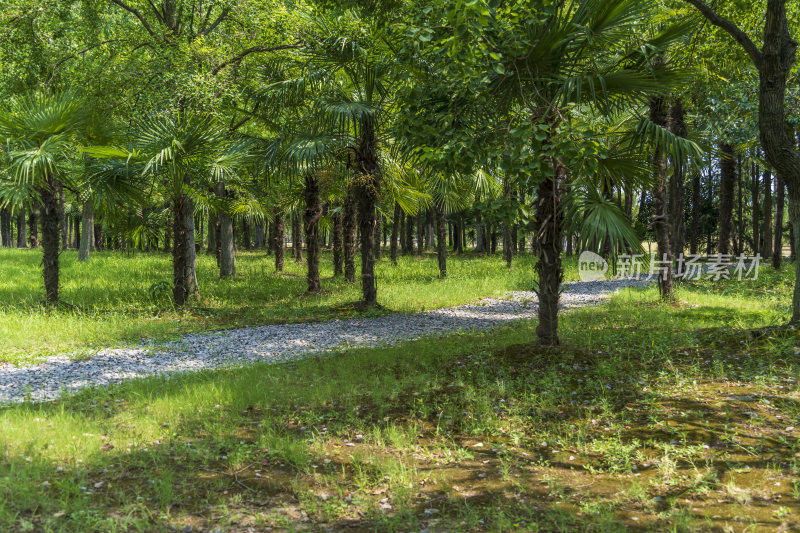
(640, 422)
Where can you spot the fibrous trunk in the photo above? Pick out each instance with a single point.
(368, 181)
(312, 215)
(21, 230)
(441, 241)
(398, 214)
(661, 219)
(726, 190)
(338, 237)
(297, 239)
(548, 247)
(51, 236)
(349, 234)
(184, 273)
(677, 125)
(280, 234)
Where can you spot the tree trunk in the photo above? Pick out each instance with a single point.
(338, 243)
(5, 227)
(777, 250)
(677, 124)
(661, 219)
(754, 192)
(479, 242)
(227, 258)
(369, 182)
(766, 231)
(794, 219)
(548, 237)
(349, 216)
(441, 241)
(280, 235)
(213, 220)
(86, 237)
(740, 214)
(377, 236)
(297, 239)
(64, 228)
(312, 215)
(410, 234)
(398, 216)
(246, 233)
(21, 241)
(33, 229)
(258, 234)
(52, 218)
(420, 233)
(429, 229)
(726, 191)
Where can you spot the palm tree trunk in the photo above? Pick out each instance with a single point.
(86, 237)
(377, 236)
(280, 235)
(777, 250)
(5, 227)
(227, 258)
(368, 191)
(213, 221)
(398, 214)
(441, 241)
(52, 218)
(297, 239)
(21, 230)
(349, 234)
(677, 125)
(420, 233)
(64, 228)
(479, 241)
(312, 215)
(33, 229)
(409, 234)
(246, 232)
(548, 246)
(338, 242)
(726, 190)
(661, 219)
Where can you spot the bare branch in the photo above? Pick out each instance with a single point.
(135, 12)
(247, 52)
(155, 10)
(734, 30)
(214, 24)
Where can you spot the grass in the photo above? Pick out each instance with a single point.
(649, 418)
(117, 299)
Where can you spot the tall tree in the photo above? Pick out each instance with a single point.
(774, 62)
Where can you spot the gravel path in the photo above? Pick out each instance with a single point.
(276, 343)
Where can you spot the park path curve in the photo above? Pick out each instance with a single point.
(277, 343)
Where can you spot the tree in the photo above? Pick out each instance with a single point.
(40, 129)
(511, 88)
(774, 63)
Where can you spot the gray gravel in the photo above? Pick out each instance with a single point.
(277, 343)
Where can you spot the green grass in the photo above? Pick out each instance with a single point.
(651, 417)
(120, 299)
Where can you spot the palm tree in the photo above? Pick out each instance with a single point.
(540, 67)
(40, 129)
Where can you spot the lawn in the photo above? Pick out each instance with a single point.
(649, 418)
(117, 299)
